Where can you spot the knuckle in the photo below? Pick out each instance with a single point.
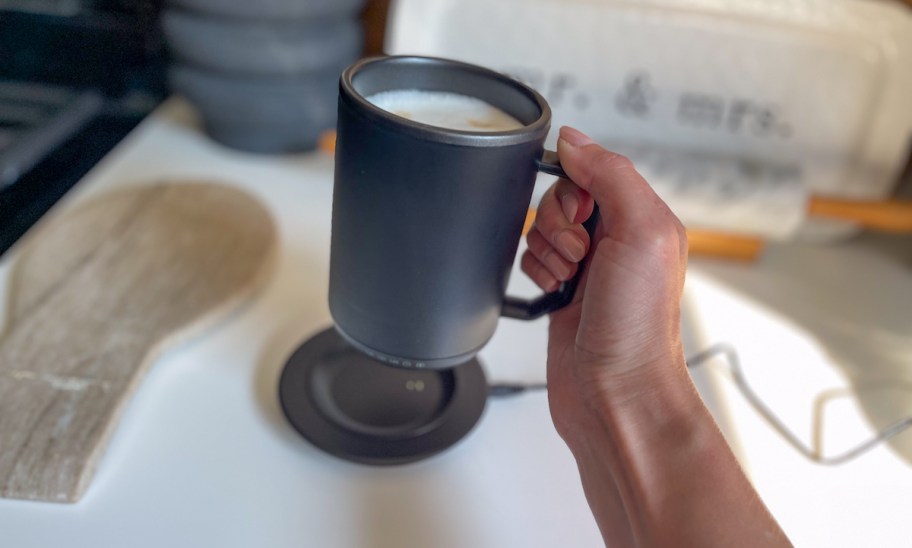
(682, 235)
(612, 161)
(526, 262)
(672, 220)
(549, 196)
(662, 239)
(679, 227)
(537, 272)
(563, 187)
(537, 244)
(549, 218)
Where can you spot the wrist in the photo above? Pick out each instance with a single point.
(647, 437)
(647, 400)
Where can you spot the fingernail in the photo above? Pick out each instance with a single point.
(572, 246)
(574, 138)
(570, 205)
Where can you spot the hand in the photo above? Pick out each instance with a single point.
(654, 466)
(624, 320)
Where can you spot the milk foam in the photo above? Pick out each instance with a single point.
(445, 110)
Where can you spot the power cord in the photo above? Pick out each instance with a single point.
(813, 453)
(502, 390)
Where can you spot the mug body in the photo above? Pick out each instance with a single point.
(426, 221)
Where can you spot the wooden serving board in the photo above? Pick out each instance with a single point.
(96, 295)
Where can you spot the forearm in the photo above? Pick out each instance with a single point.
(651, 443)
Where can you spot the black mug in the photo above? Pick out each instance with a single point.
(426, 220)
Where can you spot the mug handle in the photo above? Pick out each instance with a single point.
(531, 309)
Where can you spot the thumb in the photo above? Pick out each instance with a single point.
(624, 197)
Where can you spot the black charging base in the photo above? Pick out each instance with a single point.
(361, 410)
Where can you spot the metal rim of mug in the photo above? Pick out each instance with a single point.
(529, 132)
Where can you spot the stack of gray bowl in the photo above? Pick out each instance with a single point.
(263, 74)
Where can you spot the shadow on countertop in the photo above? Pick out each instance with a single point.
(855, 298)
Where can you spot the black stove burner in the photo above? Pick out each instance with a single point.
(75, 78)
(361, 410)
(35, 119)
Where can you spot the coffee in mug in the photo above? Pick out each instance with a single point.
(445, 110)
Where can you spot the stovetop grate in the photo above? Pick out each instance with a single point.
(37, 118)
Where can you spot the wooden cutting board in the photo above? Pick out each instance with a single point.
(96, 295)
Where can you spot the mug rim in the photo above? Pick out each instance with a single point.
(529, 132)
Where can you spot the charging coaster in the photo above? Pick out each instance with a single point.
(361, 410)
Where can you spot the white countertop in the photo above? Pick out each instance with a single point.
(204, 457)
(805, 320)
